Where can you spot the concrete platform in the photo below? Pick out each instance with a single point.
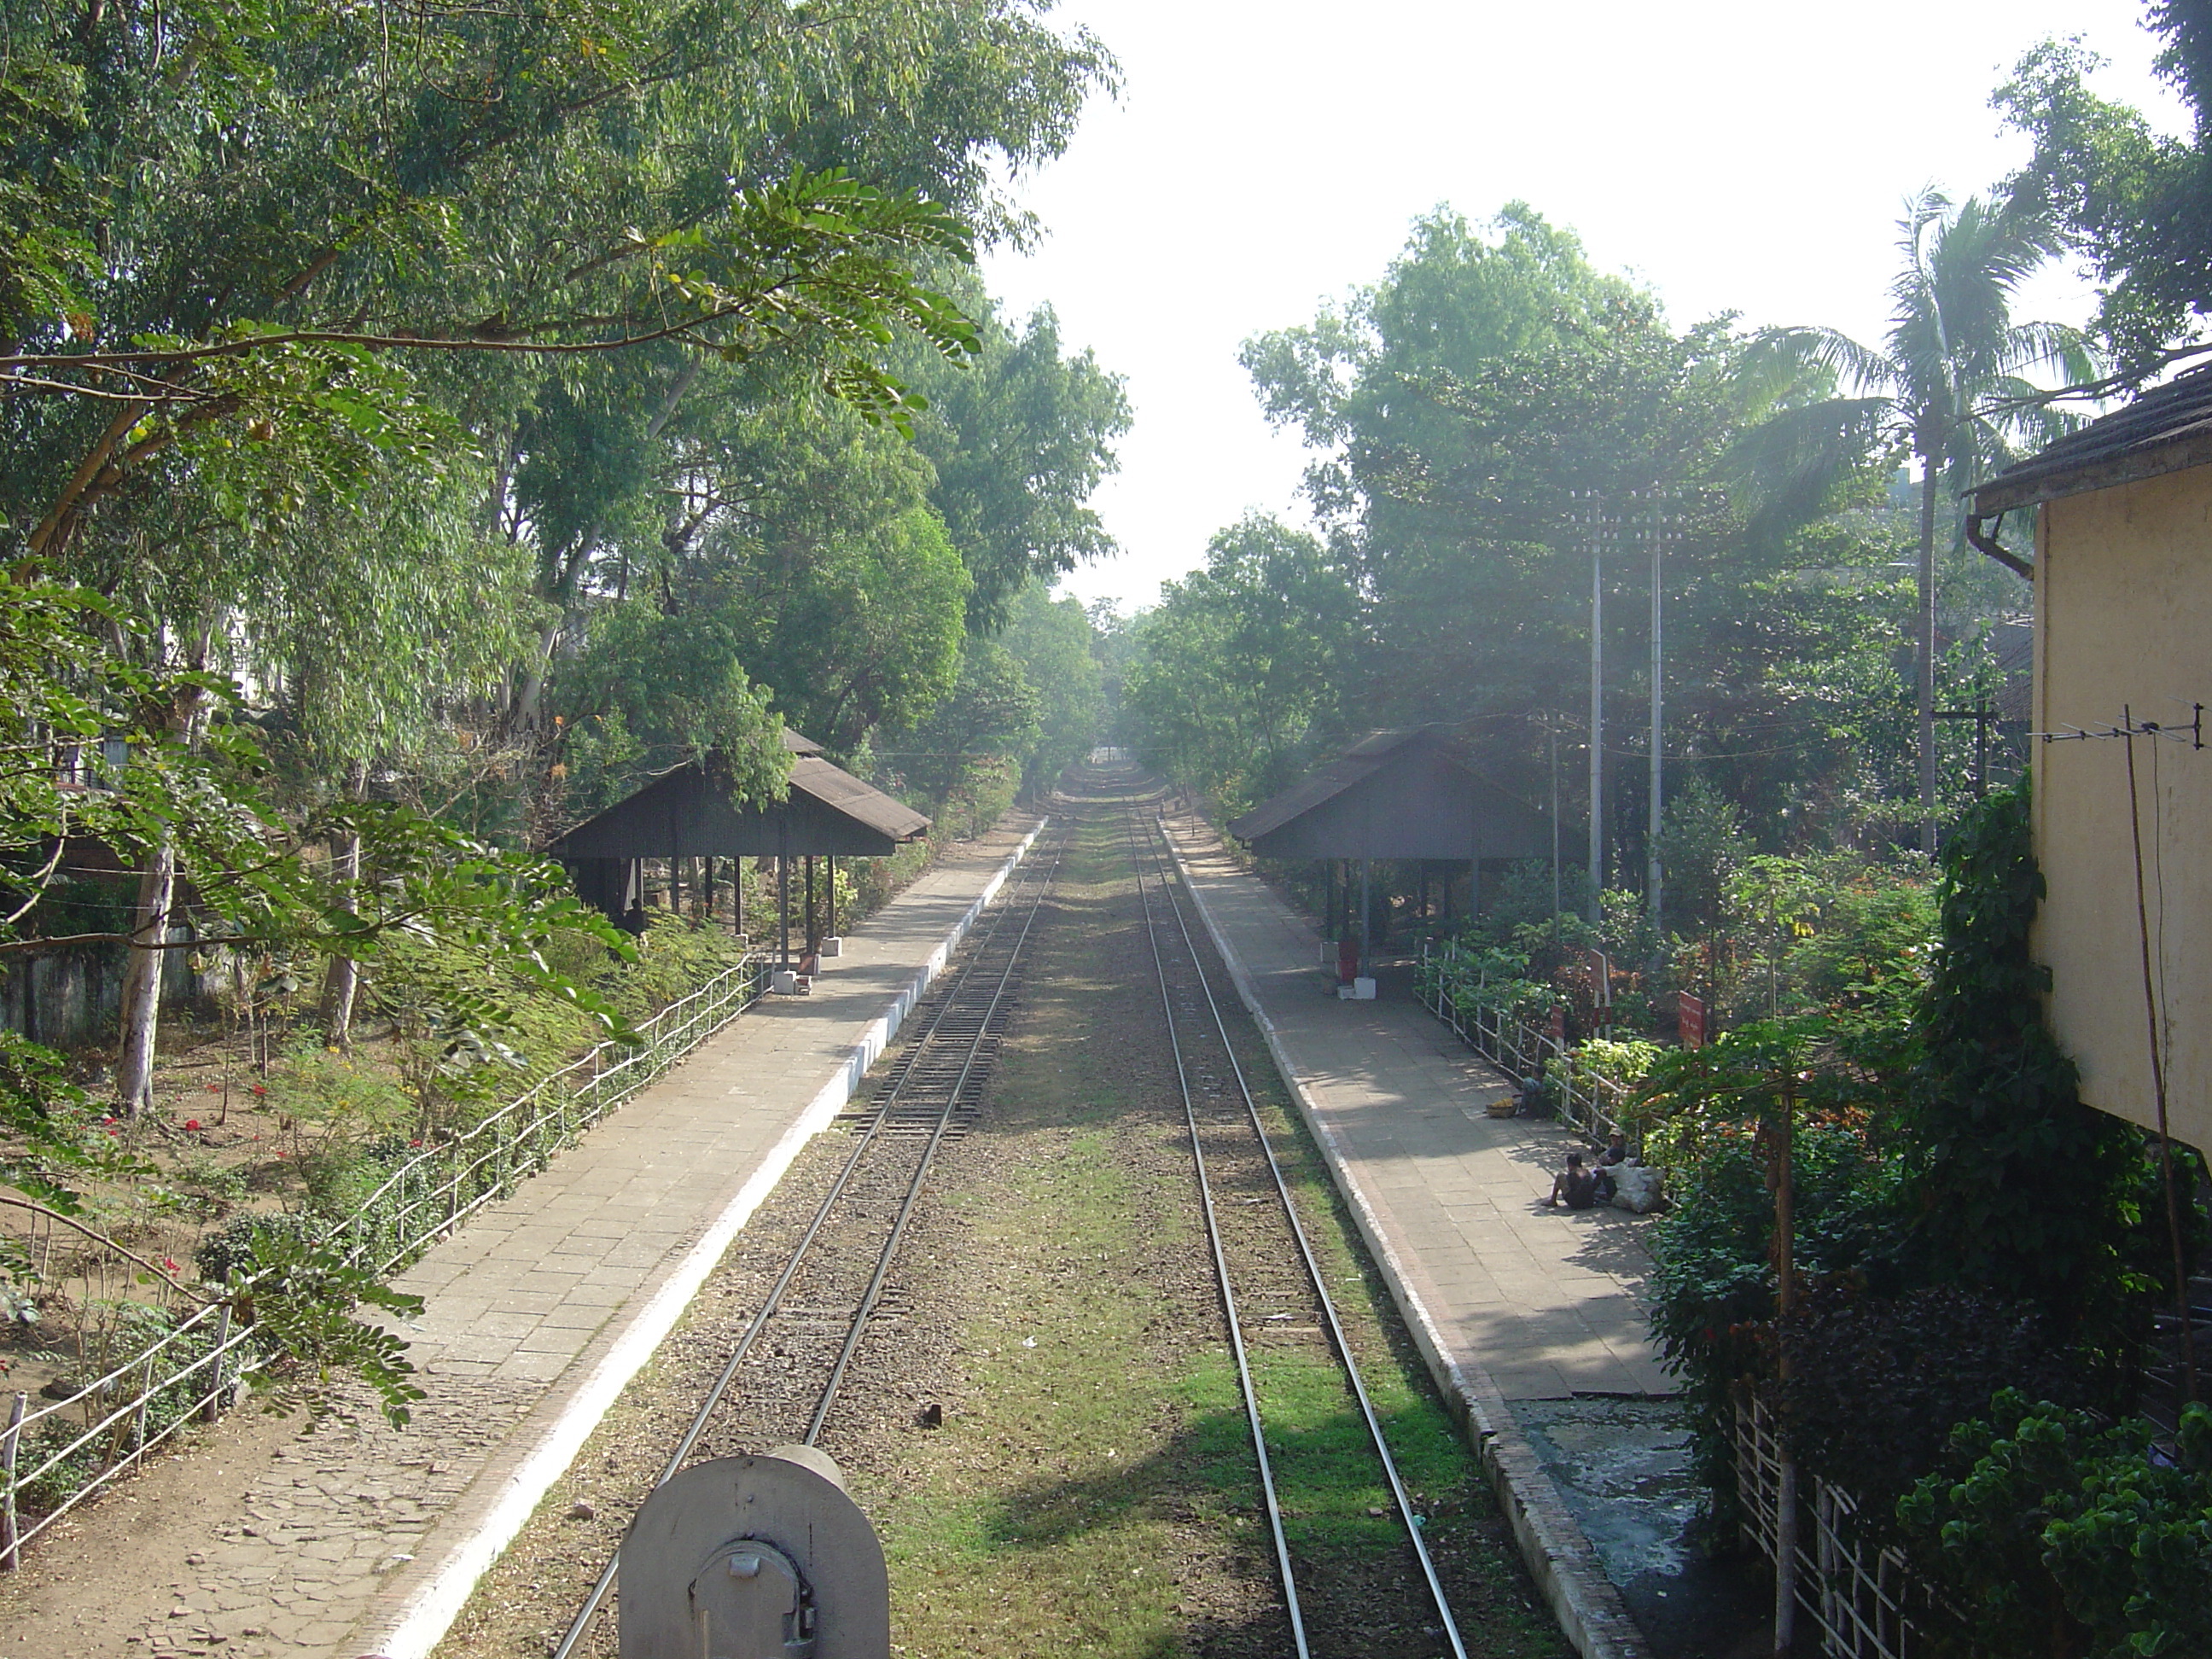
(354, 1540)
(1510, 1300)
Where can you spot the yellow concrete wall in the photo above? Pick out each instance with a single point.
(2123, 619)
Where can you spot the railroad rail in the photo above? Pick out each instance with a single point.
(1247, 1240)
(827, 1293)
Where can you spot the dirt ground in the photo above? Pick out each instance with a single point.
(159, 1520)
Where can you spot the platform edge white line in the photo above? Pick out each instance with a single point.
(1585, 1602)
(424, 1619)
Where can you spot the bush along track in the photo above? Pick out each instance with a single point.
(1044, 1424)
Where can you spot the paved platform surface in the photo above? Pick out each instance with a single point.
(318, 1552)
(1545, 1300)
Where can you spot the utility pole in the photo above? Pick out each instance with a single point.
(1926, 648)
(1660, 527)
(1552, 742)
(1597, 524)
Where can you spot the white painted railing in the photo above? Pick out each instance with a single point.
(1524, 1050)
(54, 1458)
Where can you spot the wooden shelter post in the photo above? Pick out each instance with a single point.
(1368, 909)
(783, 890)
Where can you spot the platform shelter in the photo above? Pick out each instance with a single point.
(687, 813)
(1415, 795)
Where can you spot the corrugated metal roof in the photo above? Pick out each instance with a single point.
(835, 786)
(2166, 429)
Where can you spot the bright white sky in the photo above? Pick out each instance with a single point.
(1734, 155)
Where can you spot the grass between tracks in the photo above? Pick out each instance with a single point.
(1093, 1490)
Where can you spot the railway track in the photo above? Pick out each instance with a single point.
(1273, 1292)
(791, 1363)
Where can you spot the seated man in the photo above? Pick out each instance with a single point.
(1614, 1155)
(1575, 1184)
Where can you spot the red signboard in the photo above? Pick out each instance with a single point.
(1558, 1024)
(1690, 1019)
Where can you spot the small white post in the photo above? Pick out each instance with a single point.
(11, 1549)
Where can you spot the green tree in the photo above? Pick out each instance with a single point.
(277, 306)
(1018, 437)
(2137, 205)
(1465, 410)
(653, 691)
(1052, 642)
(1948, 384)
(988, 719)
(810, 534)
(1236, 675)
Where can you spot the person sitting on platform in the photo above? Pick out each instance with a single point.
(1614, 1155)
(1575, 1184)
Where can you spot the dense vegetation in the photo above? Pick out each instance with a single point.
(1463, 411)
(417, 425)
(417, 428)
(453, 425)
(1977, 1257)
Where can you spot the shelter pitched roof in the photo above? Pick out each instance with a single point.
(835, 786)
(1363, 760)
(2166, 429)
(686, 813)
(1413, 793)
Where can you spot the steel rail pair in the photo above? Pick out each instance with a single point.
(1155, 849)
(883, 1114)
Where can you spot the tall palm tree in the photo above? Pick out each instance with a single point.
(1948, 386)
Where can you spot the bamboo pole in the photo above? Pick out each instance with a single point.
(2181, 1307)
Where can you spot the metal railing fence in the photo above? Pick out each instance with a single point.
(1588, 1099)
(54, 1458)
